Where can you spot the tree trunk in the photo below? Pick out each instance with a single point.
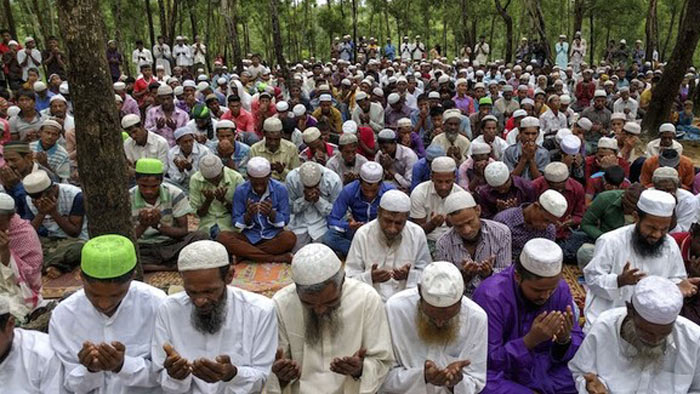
(193, 20)
(386, 19)
(674, 12)
(102, 165)
(207, 36)
(230, 12)
(534, 8)
(246, 36)
(10, 18)
(39, 15)
(277, 41)
(354, 28)
(464, 18)
(161, 18)
(149, 15)
(591, 43)
(664, 93)
(578, 15)
(652, 31)
(508, 21)
(173, 21)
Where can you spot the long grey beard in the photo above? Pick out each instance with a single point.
(210, 322)
(317, 326)
(434, 335)
(641, 354)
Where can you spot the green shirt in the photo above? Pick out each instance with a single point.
(172, 203)
(218, 212)
(287, 154)
(604, 214)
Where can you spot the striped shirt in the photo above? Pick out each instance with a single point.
(57, 157)
(494, 240)
(172, 203)
(520, 232)
(68, 203)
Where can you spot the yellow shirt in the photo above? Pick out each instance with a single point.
(287, 154)
(335, 119)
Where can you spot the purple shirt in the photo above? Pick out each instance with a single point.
(130, 106)
(417, 145)
(512, 368)
(521, 189)
(179, 116)
(520, 232)
(464, 104)
(392, 116)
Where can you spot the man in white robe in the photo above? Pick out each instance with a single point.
(644, 347)
(333, 332)
(438, 335)
(666, 179)
(625, 255)
(28, 365)
(213, 338)
(102, 333)
(389, 252)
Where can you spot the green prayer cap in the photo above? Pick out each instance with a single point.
(108, 256)
(485, 101)
(200, 111)
(125, 136)
(149, 166)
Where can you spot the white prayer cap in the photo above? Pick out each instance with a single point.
(542, 257)
(313, 264)
(600, 93)
(28, 39)
(657, 300)
(117, 98)
(449, 114)
(391, 80)
(282, 106)
(299, 110)
(386, 134)
(618, 116)
(561, 134)
(160, 67)
(202, 255)
(4, 305)
(39, 86)
(371, 172)
(570, 144)
(404, 122)
(480, 148)
(258, 167)
(36, 182)
(393, 98)
(443, 79)
(202, 86)
(434, 95)
(395, 201)
(225, 124)
(462, 80)
(565, 99)
(7, 203)
(178, 38)
(130, 120)
(272, 124)
(527, 101)
(496, 173)
(443, 164)
(349, 127)
(165, 90)
(311, 134)
(210, 166)
(12, 42)
(519, 113)
(183, 131)
(346, 82)
(585, 124)
(59, 97)
(632, 128)
(310, 173)
(441, 284)
(656, 203)
(479, 85)
(553, 202)
(189, 84)
(607, 143)
(458, 201)
(63, 88)
(489, 117)
(360, 96)
(119, 86)
(665, 173)
(325, 98)
(665, 127)
(401, 79)
(556, 171)
(178, 90)
(221, 81)
(529, 121)
(13, 110)
(347, 139)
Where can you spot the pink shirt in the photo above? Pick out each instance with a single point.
(244, 121)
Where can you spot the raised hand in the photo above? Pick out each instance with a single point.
(178, 368)
(543, 328)
(350, 366)
(401, 273)
(286, 369)
(629, 276)
(380, 275)
(564, 334)
(594, 385)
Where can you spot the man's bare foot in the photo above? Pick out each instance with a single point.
(285, 258)
(53, 272)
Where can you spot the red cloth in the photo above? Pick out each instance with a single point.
(683, 241)
(244, 121)
(592, 167)
(25, 249)
(594, 186)
(366, 135)
(584, 94)
(140, 85)
(575, 199)
(271, 110)
(310, 154)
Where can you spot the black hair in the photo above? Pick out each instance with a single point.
(3, 31)
(524, 273)
(233, 98)
(139, 42)
(145, 65)
(422, 97)
(223, 272)
(614, 175)
(118, 280)
(448, 104)
(323, 124)
(25, 93)
(129, 80)
(436, 111)
(159, 176)
(52, 38)
(3, 321)
(288, 125)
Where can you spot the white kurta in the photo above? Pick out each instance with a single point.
(687, 210)
(248, 336)
(162, 55)
(498, 146)
(364, 325)
(369, 247)
(75, 321)
(310, 218)
(612, 251)
(601, 353)
(31, 367)
(425, 202)
(408, 375)
(183, 55)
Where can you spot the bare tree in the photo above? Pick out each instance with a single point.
(508, 21)
(651, 30)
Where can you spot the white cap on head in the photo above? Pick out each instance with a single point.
(542, 257)
(59, 97)
(556, 171)
(7, 203)
(480, 148)
(39, 86)
(570, 144)
(434, 95)
(360, 96)
(527, 101)
(202, 255)
(519, 113)
(117, 98)
(36, 182)
(310, 173)
(258, 167)
(299, 110)
(4, 305)
(395, 201)
(451, 114)
(371, 172)
(443, 164)
(313, 264)
(565, 99)
(585, 124)
(458, 201)
(443, 79)
(657, 203)
(210, 166)
(393, 98)
(657, 300)
(225, 124)
(164, 90)
(618, 116)
(666, 127)
(665, 173)
(183, 131)
(561, 134)
(496, 173)
(404, 122)
(600, 93)
(378, 92)
(311, 134)
(529, 121)
(178, 90)
(386, 134)
(349, 127)
(441, 284)
(325, 98)
(607, 143)
(272, 124)
(282, 106)
(130, 120)
(553, 202)
(632, 128)
(63, 88)
(347, 139)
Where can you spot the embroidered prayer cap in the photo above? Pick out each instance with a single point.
(39, 86)
(202, 255)
(529, 121)
(36, 182)
(387, 135)
(657, 300)
(272, 124)
(349, 127)
(149, 166)
(347, 139)
(657, 203)
(183, 131)
(311, 134)
(404, 122)
(442, 284)
(51, 123)
(542, 257)
(607, 143)
(434, 95)
(665, 173)
(325, 98)
(565, 99)
(282, 106)
(393, 98)
(395, 201)
(458, 201)
(489, 117)
(130, 120)
(519, 113)
(585, 124)
(570, 144)
(310, 173)
(371, 172)
(556, 171)
(666, 127)
(7, 203)
(258, 167)
(600, 93)
(108, 256)
(313, 264)
(632, 128)
(433, 151)
(480, 148)
(59, 97)
(299, 110)
(553, 202)
(360, 96)
(165, 90)
(450, 114)
(618, 116)
(210, 166)
(225, 124)
(496, 173)
(443, 164)
(485, 101)
(561, 133)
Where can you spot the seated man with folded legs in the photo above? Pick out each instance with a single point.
(260, 210)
